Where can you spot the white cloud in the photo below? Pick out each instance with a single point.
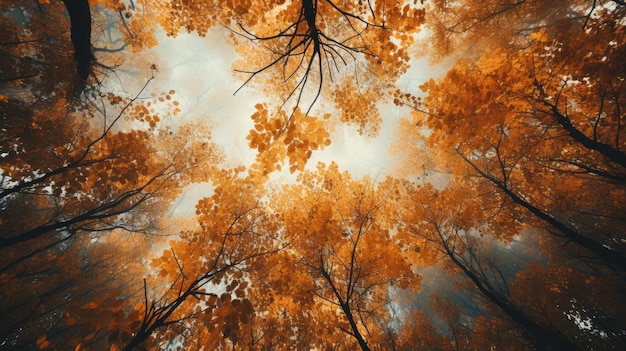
(199, 69)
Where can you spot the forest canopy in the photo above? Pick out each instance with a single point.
(131, 219)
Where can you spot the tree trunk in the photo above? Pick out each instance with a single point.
(543, 339)
(603, 253)
(80, 18)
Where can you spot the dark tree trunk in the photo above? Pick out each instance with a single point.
(80, 18)
(345, 306)
(608, 151)
(602, 252)
(543, 339)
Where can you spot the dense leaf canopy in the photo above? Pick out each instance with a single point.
(501, 225)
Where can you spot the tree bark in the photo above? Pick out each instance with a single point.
(80, 18)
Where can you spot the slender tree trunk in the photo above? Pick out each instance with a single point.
(355, 328)
(609, 152)
(542, 339)
(606, 254)
(345, 306)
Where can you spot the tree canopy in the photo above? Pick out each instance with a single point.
(502, 224)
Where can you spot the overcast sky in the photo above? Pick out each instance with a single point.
(200, 70)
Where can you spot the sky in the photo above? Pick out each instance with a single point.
(200, 70)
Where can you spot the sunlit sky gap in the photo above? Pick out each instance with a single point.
(200, 70)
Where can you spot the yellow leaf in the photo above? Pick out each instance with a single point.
(540, 35)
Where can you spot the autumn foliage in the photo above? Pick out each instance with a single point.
(503, 228)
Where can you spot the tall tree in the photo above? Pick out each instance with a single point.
(78, 173)
(199, 285)
(538, 128)
(69, 179)
(340, 231)
(441, 224)
(535, 123)
(45, 298)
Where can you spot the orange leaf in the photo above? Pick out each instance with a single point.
(89, 306)
(42, 342)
